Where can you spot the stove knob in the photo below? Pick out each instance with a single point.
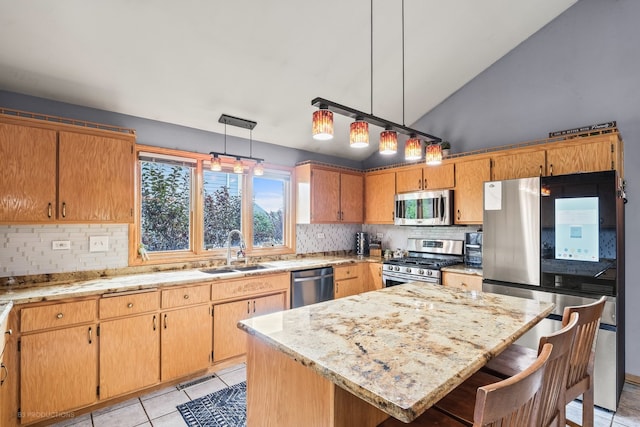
(397, 268)
(408, 270)
(429, 272)
(421, 271)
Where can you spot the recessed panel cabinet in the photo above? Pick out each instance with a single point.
(518, 165)
(470, 178)
(379, 198)
(326, 195)
(598, 154)
(423, 178)
(51, 175)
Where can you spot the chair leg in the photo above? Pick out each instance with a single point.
(587, 408)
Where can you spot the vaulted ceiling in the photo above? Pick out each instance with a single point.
(187, 62)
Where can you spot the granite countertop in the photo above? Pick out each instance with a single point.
(47, 292)
(462, 268)
(400, 348)
(5, 308)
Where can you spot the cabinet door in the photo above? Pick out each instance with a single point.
(379, 193)
(409, 180)
(28, 174)
(518, 165)
(470, 176)
(589, 157)
(58, 371)
(228, 340)
(268, 304)
(351, 198)
(348, 287)
(325, 196)
(374, 278)
(438, 177)
(129, 354)
(95, 178)
(468, 282)
(185, 341)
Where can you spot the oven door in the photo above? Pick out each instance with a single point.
(395, 278)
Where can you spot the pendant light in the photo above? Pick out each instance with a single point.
(413, 148)
(216, 164)
(388, 142)
(359, 133)
(322, 124)
(238, 167)
(434, 154)
(258, 169)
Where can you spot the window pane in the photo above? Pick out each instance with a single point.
(268, 210)
(165, 206)
(222, 208)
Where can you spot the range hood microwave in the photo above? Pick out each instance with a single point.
(424, 208)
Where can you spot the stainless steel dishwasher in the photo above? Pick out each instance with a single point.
(311, 286)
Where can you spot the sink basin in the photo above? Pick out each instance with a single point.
(250, 267)
(218, 270)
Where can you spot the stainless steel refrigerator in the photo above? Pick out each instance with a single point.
(511, 231)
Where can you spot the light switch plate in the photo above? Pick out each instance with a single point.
(380, 235)
(98, 243)
(320, 235)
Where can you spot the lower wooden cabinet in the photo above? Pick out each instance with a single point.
(59, 372)
(348, 280)
(185, 341)
(374, 278)
(129, 354)
(228, 340)
(469, 282)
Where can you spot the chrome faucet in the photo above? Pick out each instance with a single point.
(242, 246)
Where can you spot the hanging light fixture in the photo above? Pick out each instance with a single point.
(322, 124)
(238, 166)
(359, 133)
(434, 154)
(413, 148)
(388, 141)
(216, 164)
(258, 169)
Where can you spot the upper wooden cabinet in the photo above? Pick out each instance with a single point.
(518, 165)
(586, 155)
(53, 175)
(470, 178)
(379, 197)
(425, 178)
(326, 195)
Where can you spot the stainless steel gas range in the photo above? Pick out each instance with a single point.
(426, 258)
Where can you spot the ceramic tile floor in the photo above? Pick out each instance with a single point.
(158, 409)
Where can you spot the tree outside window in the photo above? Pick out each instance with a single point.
(222, 208)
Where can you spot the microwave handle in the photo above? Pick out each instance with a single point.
(441, 208)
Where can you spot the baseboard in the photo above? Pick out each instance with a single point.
(633, 379)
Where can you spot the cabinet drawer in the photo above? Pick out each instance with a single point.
(469, 282)
(186, 296)
(241, 288)
(55, 315)
(349, 272)
(122, 305)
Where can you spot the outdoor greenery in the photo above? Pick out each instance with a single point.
(222, 213)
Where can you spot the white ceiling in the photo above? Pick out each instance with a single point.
(187, 62)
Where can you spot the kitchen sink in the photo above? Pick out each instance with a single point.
(250, 267)
(223, 270)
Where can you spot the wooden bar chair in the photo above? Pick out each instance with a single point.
(553, 387)
(580, 370)
(514, 402)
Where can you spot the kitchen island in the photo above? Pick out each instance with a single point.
(357, 360)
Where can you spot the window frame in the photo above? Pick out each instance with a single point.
(197, 251)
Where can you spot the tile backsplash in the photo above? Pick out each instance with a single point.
(312, 238)
(28, 249)
(395, 236)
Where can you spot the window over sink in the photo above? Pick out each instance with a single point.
(185, 210)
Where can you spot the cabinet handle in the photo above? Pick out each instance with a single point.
(130, 305)
(49, 210)
(59, 315)
(551, 169)
(338, 214)
(424, 184)
(9, 332)
(186, 296)
(254, 306)
(90, 335)
(6, 373)
(154, 323)
(341, 215)
(64, 209)
(458, 214)
(165, 321)
(248, 307)
(540, 170)
(337, 287)
(419, 184)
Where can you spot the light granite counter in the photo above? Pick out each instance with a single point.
(5, 308)
(132, 282)
(461, 268)
(402, 348)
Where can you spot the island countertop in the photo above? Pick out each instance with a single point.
(401, 348)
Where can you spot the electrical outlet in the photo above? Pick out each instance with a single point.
(380, 236)
(58, 245)
(320, 235)
(98, 243)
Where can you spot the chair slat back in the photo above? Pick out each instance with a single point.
(583, 352)
(514, 401)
